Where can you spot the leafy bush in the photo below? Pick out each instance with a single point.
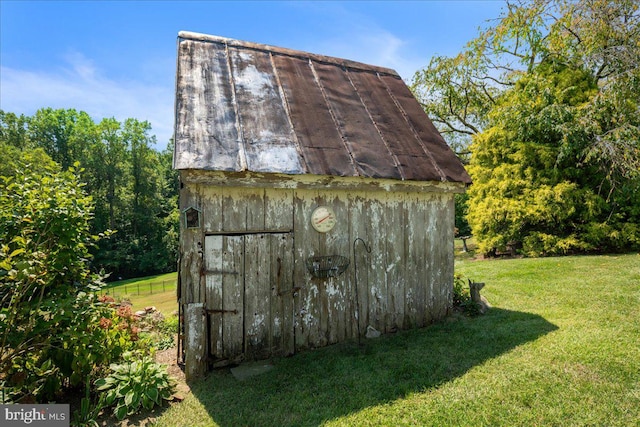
(536, 187)
(53, 331)
(135, 384)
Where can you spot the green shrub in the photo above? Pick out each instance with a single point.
(134, 384)
(52, 326)
(536, 184)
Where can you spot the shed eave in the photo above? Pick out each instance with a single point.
(307, 181)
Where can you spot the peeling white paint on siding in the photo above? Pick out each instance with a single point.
(332, 289)
(307, 317)
(256, 325)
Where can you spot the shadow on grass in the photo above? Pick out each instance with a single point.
(324, 384)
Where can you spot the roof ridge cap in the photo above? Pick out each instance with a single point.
(346, 63)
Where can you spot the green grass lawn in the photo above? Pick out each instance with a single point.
(560, 347)
(158, 291)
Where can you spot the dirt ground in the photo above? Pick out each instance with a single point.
(169, 358)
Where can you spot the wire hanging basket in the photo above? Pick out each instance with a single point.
(322, 267)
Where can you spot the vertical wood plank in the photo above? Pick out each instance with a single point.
(212, 209)
(316, 302)
(255, 209)
(358, 208)
(257, 296)
(448, 235)
(394, 246)
(432, 262)
(320, 336)
(213, 298)
(234, 210)
(306, 245)
(410, 267)
(288, 298)
(233, 296)
(377, 277)
(419, 258)
(281, 302)
(299, 272)
(278, 209)
(339, 293)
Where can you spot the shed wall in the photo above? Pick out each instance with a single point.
(405, 282)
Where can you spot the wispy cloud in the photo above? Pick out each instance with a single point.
(378, 47)
(80, 84)
(360, 38)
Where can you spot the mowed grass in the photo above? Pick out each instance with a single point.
(560, 347)
(138, 292)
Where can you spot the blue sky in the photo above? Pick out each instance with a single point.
(117, 58)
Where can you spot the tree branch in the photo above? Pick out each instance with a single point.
(452, 129)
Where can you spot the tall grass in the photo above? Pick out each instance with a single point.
(561, 346)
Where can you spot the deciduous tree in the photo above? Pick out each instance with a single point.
(550, 95)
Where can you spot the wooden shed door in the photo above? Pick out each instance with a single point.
(249, 295)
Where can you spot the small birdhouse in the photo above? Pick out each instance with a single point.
(192, 217)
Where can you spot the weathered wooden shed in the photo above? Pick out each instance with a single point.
(317, 200)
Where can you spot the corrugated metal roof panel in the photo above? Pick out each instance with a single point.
(246, 107)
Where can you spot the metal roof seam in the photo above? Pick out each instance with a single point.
(242, 155)
(332, 113)
(375, 125)
(287, 109)
(443, 176)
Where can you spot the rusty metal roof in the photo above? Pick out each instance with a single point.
(243, 106)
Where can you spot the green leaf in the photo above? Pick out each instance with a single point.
(153, 394)
(104, 384)
(147, 403)
(135, 403)
(111, 397)
(120, 412)
(128, 398)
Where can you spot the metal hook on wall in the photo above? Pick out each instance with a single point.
(355, 268)
(366, 247)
